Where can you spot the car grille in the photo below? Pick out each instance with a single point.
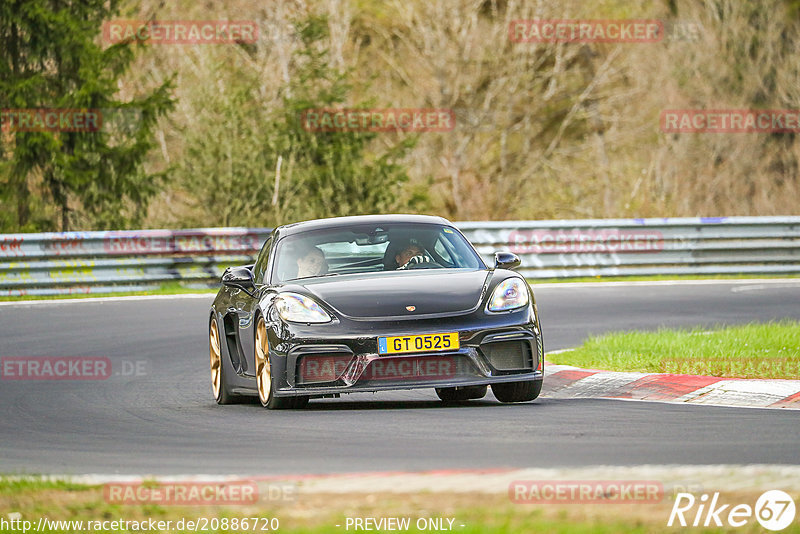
(320, 368)
(509, 355)
(418, 368)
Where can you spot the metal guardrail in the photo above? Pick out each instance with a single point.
(644, 247)
(99, 262)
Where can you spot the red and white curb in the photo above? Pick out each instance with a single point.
(564, 382)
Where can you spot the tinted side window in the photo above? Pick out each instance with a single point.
(262, 262)
(441, 249)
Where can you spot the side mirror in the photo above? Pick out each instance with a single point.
(239, 277)
(506, 260)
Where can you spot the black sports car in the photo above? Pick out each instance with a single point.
(373, 303)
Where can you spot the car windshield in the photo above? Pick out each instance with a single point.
(372, 248)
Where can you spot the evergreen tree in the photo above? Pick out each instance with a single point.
(51, 57)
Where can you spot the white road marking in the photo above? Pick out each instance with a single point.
(575, 285)
(751, 392)
(760, 287)
(131, 298)
(597, 385)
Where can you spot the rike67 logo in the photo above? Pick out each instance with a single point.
(774, 510)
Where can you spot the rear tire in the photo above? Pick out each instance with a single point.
(459, 394)
(517, 391)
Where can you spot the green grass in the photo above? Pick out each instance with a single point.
(35, 497)
(13, 485)
(770, 350)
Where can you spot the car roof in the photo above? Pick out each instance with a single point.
(338, 222)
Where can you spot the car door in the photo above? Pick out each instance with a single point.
(247, 306)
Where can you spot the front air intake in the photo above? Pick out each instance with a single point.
(509, 355)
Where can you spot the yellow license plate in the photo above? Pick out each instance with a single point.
(423, 343)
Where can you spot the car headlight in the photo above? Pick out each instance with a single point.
(509, 295)
(300, 309)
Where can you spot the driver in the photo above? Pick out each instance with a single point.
(410, 254)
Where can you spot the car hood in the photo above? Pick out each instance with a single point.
(389, 294)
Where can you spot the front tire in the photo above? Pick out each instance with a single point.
(219, 387)
(460, 394)
(264, 378)
(517, 391)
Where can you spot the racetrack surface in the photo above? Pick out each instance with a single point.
(164, 420)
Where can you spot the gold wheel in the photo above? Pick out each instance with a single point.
(263, 369)
(215, 357)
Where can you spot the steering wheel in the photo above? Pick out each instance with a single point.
(422, 261)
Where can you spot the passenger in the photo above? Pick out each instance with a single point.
(311, 263)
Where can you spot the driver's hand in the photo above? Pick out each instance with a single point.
(420, 258)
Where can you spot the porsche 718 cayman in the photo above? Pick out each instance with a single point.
(373, 303)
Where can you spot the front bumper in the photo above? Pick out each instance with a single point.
(307, 362)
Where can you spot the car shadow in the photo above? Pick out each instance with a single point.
(342, 404)
(394, 405)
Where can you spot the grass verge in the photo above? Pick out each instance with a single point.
(769, 350)
(318, 513)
